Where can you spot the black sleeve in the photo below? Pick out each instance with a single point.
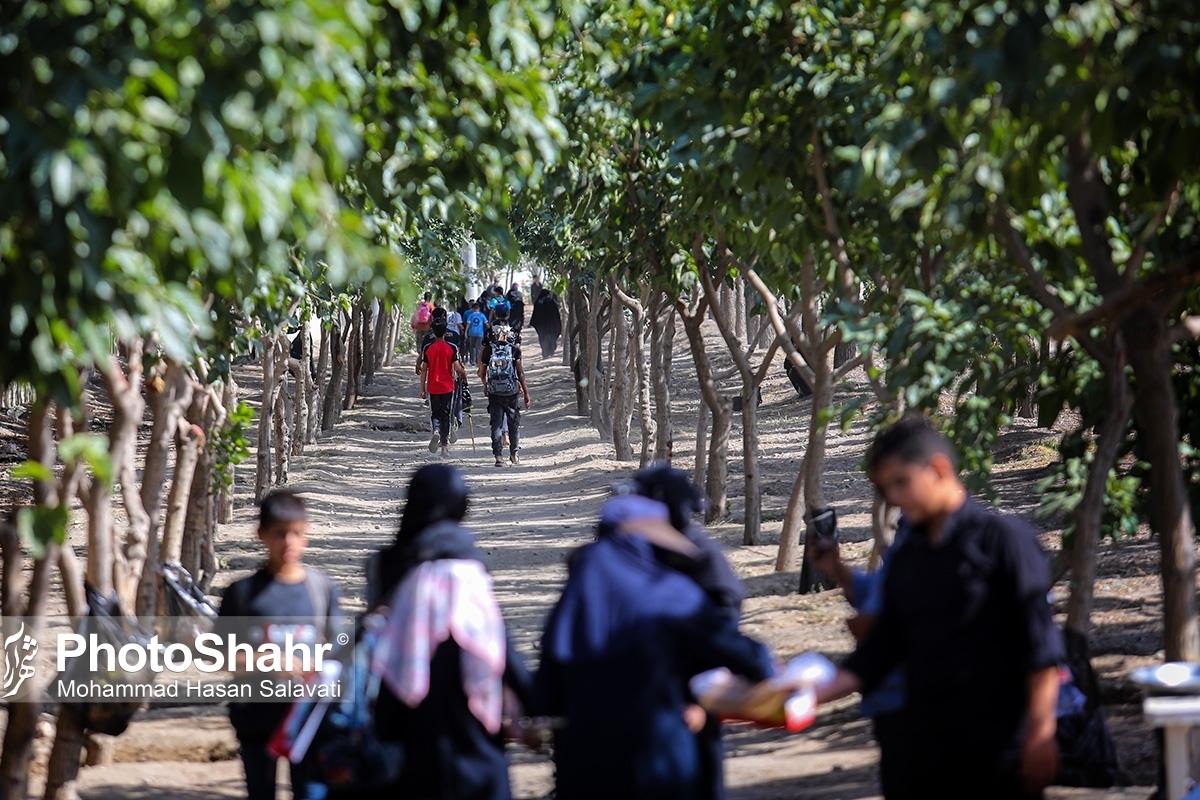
(884, 648)
(516, 351)
(709, 640)
(1031, 580)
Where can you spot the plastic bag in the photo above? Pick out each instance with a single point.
(787, 699)
(108, 623)
(191, 612)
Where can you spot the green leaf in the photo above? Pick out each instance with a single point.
(34, 471)
(92, 448)
(39, 526)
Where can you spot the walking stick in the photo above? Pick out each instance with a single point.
(471, 427)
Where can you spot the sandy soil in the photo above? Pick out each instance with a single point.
(529, 517)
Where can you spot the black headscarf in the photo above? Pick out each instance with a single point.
(435, 504)
(672, 488)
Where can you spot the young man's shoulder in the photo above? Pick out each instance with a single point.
(1001, 528)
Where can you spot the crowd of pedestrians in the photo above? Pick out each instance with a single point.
(485, 334)
(958, 656)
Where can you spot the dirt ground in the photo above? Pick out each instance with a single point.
(529, 517)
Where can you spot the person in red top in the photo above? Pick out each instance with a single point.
(439, 366)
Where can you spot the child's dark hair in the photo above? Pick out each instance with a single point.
(913, 440)
(281, 505)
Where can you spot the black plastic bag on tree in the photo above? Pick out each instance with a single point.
(191, 612)
(112, 694)
(1087, 755)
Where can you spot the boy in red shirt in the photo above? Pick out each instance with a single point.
(439, 365)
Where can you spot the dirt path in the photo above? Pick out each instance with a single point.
(527, 519)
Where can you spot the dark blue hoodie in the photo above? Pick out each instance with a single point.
(618, 648)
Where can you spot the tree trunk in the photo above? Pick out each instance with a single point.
(793, 517)
(568, 320)
(266, 409)
(229, 400)
(169, 392)
(662, 331)
(739, 310)
(21, 726)
(311, 396)
(645, 415)
(721, 407)
(353, 359)
(197, 526)
(580, 360)
(368, 343)
(378, 332)
(843, 353)
(282, 414)
(1027, 401)
(187, 454)
(65, 756)
(299, 404)
(601, 420)
(1149, 351)
(753, 489)
(331, 405)
(812, 579)
(1089, 513)
(323, 358)
(884, 520)
(618, 370)
(700, 468)
(716, 479)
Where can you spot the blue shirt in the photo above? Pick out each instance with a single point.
(475, 323)
(867, 592)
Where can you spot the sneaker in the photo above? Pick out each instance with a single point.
(435, 441)
(453, 433)
(499, 461)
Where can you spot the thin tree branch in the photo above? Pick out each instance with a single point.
(1130, 299)
(1138, 256)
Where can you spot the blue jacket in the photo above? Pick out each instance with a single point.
(618, 648)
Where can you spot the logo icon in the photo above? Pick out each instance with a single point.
(19, 651)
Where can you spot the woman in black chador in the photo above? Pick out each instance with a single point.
(546, 321)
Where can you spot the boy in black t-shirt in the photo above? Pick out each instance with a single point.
(965, 612)
(292, 599)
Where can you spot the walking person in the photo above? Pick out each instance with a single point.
(444, 655)
(439, 369)
(618, 650)
(965, 612)
(476, 322)
(284, 591)
(547, 321)
(516, 308)
(503, 380)
(709, 569)
(886, 704)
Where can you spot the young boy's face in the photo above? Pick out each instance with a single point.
(916, 489)
(285, 541)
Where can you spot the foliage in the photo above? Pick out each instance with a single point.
(229, 445)
(164, 165)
